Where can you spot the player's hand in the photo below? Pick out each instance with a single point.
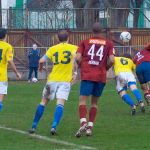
(19, 76)
(74, 77)
(42, 68)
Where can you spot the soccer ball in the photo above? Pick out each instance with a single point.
(34, 80)
(125, 36)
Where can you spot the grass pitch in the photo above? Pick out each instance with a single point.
(115, 128)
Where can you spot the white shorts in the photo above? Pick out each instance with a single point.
(3, 87)
(60, 90)
(123, 79)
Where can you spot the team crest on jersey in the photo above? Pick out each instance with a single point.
(96, 41)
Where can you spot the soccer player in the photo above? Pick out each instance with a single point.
(6, 56)
(92, 56)
(142, 61)
(59, 80)
(123, 68)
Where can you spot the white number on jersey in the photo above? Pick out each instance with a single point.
(99, 53)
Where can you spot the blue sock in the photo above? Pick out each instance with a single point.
(137, 94)
(1, 106)
(58, 115)
(38, 115)
(128, 99)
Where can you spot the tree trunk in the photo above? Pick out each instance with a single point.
(118, 17)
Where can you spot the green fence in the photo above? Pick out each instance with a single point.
(80, 19)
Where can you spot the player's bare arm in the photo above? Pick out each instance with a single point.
(78, 58)
(75, 71)
(13, 66)
(110, 62)
(41, 63)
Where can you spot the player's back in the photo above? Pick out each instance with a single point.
(5, 49)
(95, 52)
(61, 56)
(142, 56)
(123, 64)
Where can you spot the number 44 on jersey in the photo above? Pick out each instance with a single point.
(92, 53)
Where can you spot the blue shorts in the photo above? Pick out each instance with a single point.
(143, 72)
(93, 88)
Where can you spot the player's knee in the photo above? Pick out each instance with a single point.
(132, 85)
(122, 93)
(44, 102)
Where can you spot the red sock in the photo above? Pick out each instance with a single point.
(92, 114)
(82, 113)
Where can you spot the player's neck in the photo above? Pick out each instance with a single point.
(97, 35)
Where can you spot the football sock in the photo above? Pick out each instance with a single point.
(92, 116)
(128, 100)
(82, 113)
(58, 115)
(38, 115)
(1, 105)
(137, 94)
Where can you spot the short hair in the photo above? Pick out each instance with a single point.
(3, 33)
(96, 28)
(127, 55)
(63, 35)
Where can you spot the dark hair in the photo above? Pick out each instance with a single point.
(148, 46)
(3, 33)
(127, 55)
(96, 28)
(63, 35)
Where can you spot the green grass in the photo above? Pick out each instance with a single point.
(115, 128)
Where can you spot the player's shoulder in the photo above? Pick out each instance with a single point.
(6, 44)
(72, 46)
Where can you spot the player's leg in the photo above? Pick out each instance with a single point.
(47, 95)
(57, 115)
(62, 94)
(30, 73)
(1, 101)
(128, 100)
(86, 88)
(36, 72)
(96, 93)
(38, 114)
(3, 92)
(146, 90)
(137, 94)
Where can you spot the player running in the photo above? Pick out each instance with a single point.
(6, 56)
(142, 61)
(59, 80)
(92, 56)
(123, 68)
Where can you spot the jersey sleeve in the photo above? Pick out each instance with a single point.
(49, 53)
(81, 48)
(10, 53)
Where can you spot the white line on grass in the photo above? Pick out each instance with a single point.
(44, 138)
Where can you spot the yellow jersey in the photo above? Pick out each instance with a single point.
(6, 54)
(62, 57)
(123, 64)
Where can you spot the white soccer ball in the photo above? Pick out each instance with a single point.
(125, 36)
(34, 80)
